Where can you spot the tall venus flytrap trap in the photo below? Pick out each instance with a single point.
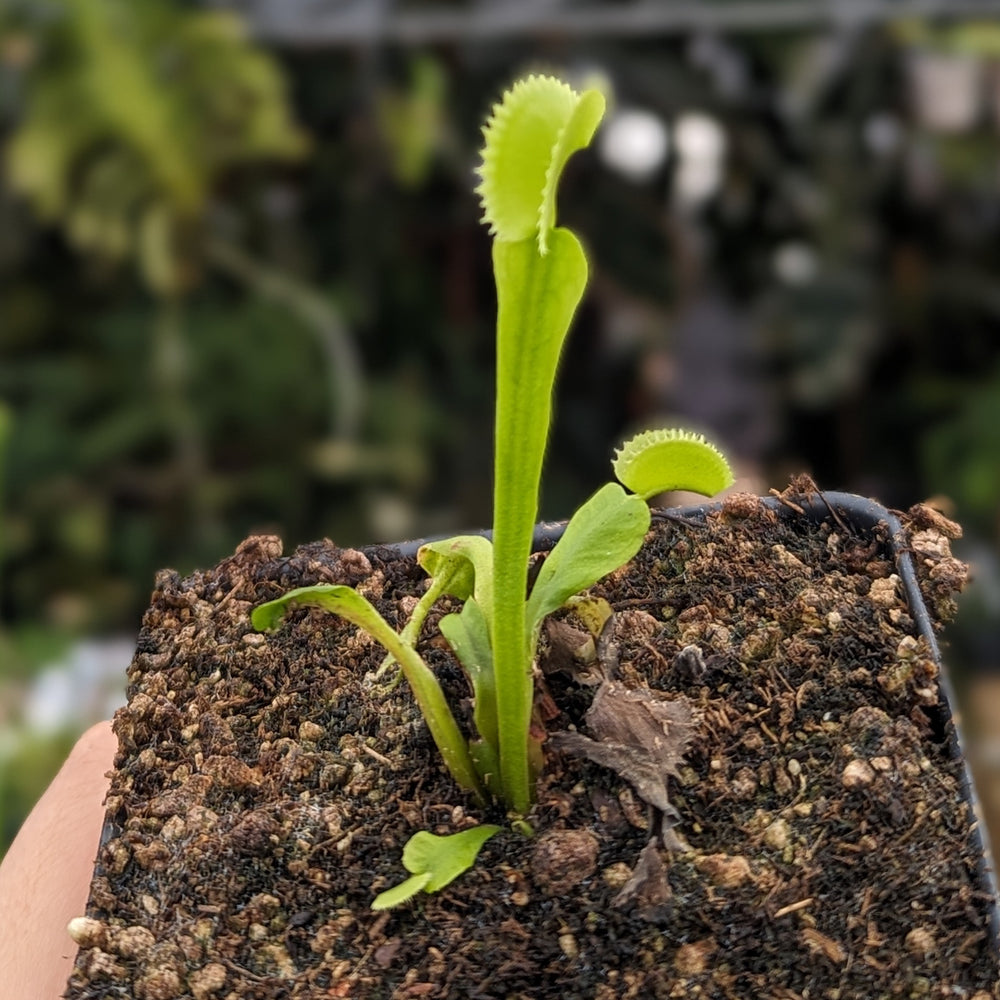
(541, 273)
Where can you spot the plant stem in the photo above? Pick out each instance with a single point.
(431, 700)
(436, 711)
(411, 630)
(512, 662)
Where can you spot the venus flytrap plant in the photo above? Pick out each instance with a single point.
(541, 273)
(601, 536)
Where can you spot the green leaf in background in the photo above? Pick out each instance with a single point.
(6, 420)
(135, 113)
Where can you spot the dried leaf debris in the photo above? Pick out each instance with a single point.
(641, 735)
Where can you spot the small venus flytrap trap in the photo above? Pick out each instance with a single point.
(541, 273)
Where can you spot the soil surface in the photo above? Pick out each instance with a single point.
(816, 842)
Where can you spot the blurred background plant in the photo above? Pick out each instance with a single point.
(243, 287)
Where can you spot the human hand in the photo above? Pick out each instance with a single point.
(45, 876)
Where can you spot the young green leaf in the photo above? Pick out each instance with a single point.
(540, 273)
(602, 535)
(467, 563)
(537, 297)
(401, 893)
(349, 604)
(469, 638)
(434, 862)
(656, 461)
(457, 566)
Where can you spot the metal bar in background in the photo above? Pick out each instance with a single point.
(365, 22)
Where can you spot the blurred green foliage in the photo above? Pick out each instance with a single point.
(962, 453)
(965, 37)
(210, 325)
(325, 303)
(6, 421)
(133, 113)
(26, 767)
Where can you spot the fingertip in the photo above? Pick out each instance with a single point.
(99, 740)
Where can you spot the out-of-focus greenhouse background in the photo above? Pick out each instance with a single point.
(243, 287)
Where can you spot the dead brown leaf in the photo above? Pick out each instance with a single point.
(641, 735)
(647, 891)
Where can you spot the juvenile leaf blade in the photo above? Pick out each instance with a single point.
(355, 607)
(468, 635)
(458, 566)
(445, 858)
(602, 535)
(267, 617)
(467, 562)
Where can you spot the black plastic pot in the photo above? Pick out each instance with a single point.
(866, 519)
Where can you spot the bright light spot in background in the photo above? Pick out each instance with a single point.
(695, 182)
(946, 89)
(883, 133)
(701, 149)
(795, 263)
(85, 686)
(699, 137)
(635, 143)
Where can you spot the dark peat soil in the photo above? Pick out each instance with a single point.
(822, 844)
